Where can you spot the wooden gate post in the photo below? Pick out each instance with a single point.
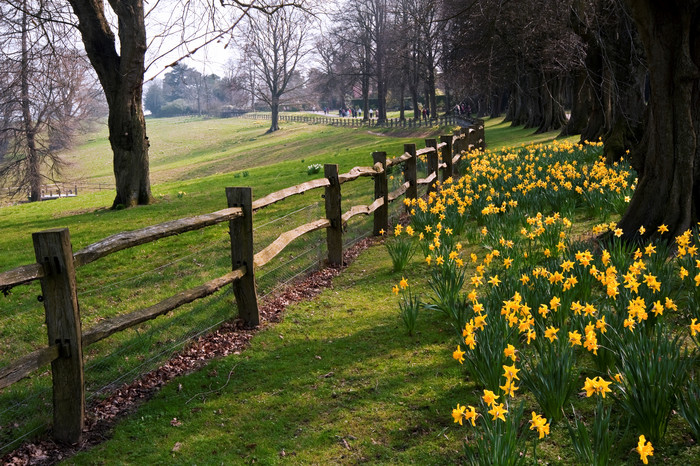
(410, 172)
(448, 171)
(381, 190)
(334, 233)
(54, 252)
(432, 163)
(241, 231)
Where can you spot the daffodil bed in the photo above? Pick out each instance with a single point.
(552, 313)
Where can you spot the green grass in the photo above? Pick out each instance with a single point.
(340, 368)
(192, 147)
(141, 276)
(500, 134)
(201, 158)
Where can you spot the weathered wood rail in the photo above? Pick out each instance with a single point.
(56, 263)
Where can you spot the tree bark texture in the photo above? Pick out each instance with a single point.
(552, 111)
(628, 75)
(596, 119)
(121, 77)
(274, 118)
(580, 104)
(668, 189)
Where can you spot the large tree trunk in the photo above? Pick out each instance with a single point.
(510, 110)
(531, 100)
(580, 105)
(365, 97)
(628, 74)
(365, 83)
(498, 99)
(381, 98)
(481, 104)
(127, 136)
(596, 119)
(414, 98)
(519, 112)
(381, 85)
(668, 188)
(553, 117)
(121, 76)
(430, 84)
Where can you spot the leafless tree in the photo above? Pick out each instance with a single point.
(277, 42)
(47, 90)
(115, 41)
(336, 73)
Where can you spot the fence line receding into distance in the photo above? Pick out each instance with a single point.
(56, 263)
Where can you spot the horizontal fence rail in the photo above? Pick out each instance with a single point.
(56, 263)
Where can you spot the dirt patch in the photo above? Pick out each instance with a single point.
(230, 338)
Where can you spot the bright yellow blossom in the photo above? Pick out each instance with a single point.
(694, 327)
(575, 338)
(551, 333)
(539, 423)
(498, 411)
(644, 449)
(458, 354)
(458, 413)
(509, 351)
(489, 397)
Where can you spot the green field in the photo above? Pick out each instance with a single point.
(338, 381)
(190, 173)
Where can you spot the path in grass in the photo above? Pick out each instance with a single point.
(338, 381)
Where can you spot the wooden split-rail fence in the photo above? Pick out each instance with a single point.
(357, 122)
(56, 263)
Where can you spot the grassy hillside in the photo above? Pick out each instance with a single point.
(340, 382)
(193, 161)
(141, 276)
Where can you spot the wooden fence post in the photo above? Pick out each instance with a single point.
(241, 231)
(432, 163)
(54, 252)
(466, 132)
(381, 189)
(409, 172)
(448, 171)
(458, 144)
(334, 213)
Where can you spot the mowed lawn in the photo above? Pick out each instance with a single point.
(338, 381)
(355, 398)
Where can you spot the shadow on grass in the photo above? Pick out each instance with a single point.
(312, 388)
